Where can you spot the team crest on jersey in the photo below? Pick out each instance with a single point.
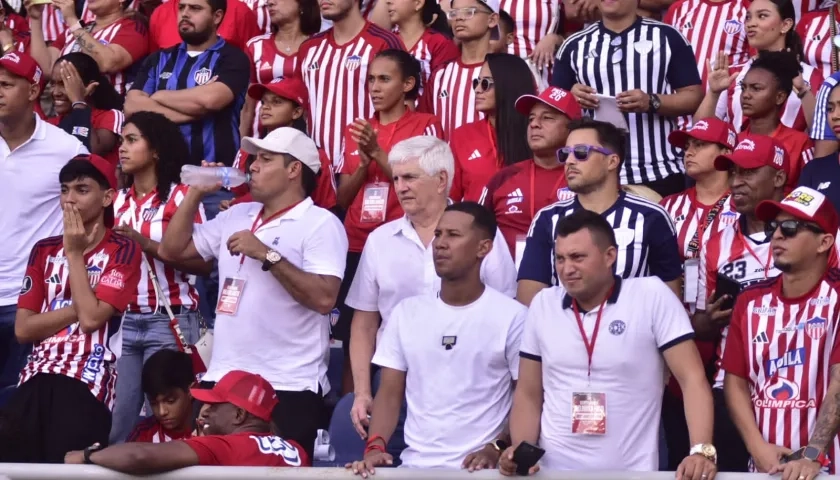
(728, 218)
(149, 213)
(353, 62)
(815, 327)
(565, 194)
(732, 26)
(202, 76)
(617, 327)
(94, 275)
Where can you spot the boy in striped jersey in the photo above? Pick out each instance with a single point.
(167, 377)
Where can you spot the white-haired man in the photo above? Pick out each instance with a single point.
(397, 260)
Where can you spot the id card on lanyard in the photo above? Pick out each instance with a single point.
(691, 268)
(589, 408)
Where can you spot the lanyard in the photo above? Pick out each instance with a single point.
(746, 241)
(695, 243)
(590, 345)
(533, 187)
(258, 223)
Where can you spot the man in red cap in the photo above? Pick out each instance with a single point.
(237, 432)
(782, 358)
(518, 191)
(71, 301)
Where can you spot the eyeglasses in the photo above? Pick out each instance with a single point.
(617, 54)
(581, 152)
(790, 228)
(485, 84)
(466, 13)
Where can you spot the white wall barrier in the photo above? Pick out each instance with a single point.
(19, 471)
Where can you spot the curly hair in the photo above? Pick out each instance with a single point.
(166, 140)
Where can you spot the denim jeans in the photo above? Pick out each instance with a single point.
(208, 287)
(12, 354)
(143, 335)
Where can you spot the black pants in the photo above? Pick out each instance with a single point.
(669, 185)
(55, 414)
(676, 429)
(731, 451)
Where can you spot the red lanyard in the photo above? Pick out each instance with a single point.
(533, 187)
(258, 222)
(746, 241)
(590, 345)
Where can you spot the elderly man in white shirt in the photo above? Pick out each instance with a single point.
(397, 260)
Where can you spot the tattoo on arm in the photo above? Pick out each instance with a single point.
(85, 45)
(828, 419)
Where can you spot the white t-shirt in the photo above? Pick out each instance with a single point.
(641, 319)
(272, 334)
(459, 398)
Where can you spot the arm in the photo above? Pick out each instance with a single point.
(111, 58)
(363, 330)
(314, 291)
(682, 75)
(197, 101)
(192, 265)
(39, 50)
(535, 268)
(246, 120)
(526, 412)
(146, 458)
(138, 101)
(353, 173)
(667, 262)
(740, 406)
(103, 141)
(828, 418)
(387, 404)
(683, 101)
(684, 362)
(177, 244)
(31, 327)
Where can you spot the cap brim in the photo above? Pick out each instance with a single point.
(256, 91)
(206, 395)
(253, 145)
(768, 210)
(679, 138)
(724, 162)
(525, 103)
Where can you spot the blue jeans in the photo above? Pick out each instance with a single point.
(143, 335)
(12, 354)
(208, 287)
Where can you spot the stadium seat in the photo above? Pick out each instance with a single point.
(343, 436)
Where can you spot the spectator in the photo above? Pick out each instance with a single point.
(626, 395)
(30, 194)
(484, 147)
(664, 86)
(540, 180)
(152, 152)
(488, 325)
(507, 34)
(260, 9)
(237, 27)
(823, 174)
(344, 51)
(71, 302)
(238, 434)
(15, 32)
(422, 168)
(274, 55)
(86, 105)
(534, 30)
(167, 378)
(814, 28)
(425, 33)
(647, 241)
(292, 254)
(799, 307)
(114, 40)
(448, 95)
(825, 139)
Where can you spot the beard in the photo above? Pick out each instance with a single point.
(195, 37)
(783, 267)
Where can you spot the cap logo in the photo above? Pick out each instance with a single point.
(805, 200)
(701, 125)
(277, 80)
(746, 144)
(779, 157)
(556, 94)
(12, 57)
(257, 394)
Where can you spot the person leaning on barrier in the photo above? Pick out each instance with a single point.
(590, 405)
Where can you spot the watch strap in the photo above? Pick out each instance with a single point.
(87, 452)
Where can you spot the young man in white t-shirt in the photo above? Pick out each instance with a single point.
(466, 339)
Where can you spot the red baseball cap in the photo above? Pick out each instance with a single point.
(22, 65)
(554, 97)
(754, 151)
(109, 171)
(288, 88)
(248, 391)
(805, 204)
(711, 130)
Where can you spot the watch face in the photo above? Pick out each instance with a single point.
(811, 453)
(273, 256)
(709, 450)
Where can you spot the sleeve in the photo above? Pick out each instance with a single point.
(666, 262)
(207, 236)
(32, 294)
(538, 257)
(734, 359)
(233, 70)
(682, 65)
(246, 27)
(351, 154)
(434, 129)
(133, 36)
(564, 75)
(669, 323)
(820, 128)
(834, 356)
(61, 41)
(325, 250)
(513, 344)
(456, 193)
(389, 352)
(156, 23)
(325, 191)
(497, 269)
(145, 79)
(445, 51)
(530, 346)
(212, 450)
(111, 120)
(427, 100)
(118, 283)
(489, 192)
(364, 289)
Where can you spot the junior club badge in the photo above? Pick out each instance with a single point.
(202, 76)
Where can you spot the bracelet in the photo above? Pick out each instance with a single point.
(373, 447)
(84, 104)
(375, 438)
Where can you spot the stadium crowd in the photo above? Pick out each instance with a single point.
(445, 233)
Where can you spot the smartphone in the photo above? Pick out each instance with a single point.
(526, 456)
(727, 286)
(792, 457)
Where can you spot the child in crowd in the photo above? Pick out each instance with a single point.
(167, 378)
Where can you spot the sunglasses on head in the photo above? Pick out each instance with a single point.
(789, 228)
(581, 152)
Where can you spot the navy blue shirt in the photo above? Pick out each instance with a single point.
(823, 174)
(215, 137)
(644, 232)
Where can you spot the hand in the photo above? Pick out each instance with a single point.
(768, 457)
(364, 159)
(696, 467)
(76, 457)
(634, 101)
(719, 78)
(487, 457)
(590, 11)
(205, 189)
(34, 12)
(543, 54)
(718, 316)
(133, 234)
(362, 132)
(246, 243)
(76, 240)
(7, 38)
(362, 405)
(800, 86)
(373, 458)
(68, 11)
(585, 96)
(224, 205)
(802, 469)
(73, 83)
(507, 466)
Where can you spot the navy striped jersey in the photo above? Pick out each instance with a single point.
(650, 56)
(644, 232)
(823, 175)
(820, 128)
(215, 137)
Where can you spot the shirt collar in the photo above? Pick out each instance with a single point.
(295, 213)
(216, 46)
(613, 298)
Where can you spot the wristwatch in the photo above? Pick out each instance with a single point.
(89, 451)
(814, 454)
(654, 103)
(705, 449)
(500, 445)
(272, 258)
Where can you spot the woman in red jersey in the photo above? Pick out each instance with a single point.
(86, 105)
(482, 148)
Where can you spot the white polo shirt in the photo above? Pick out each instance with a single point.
(396, 265)
(29, 196)
(272, 334)
(459, 398)
(641, 319)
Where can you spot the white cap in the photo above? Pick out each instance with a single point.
(286, 140)
(493, 5)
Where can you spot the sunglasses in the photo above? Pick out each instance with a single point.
(581, 152)
(789, 228)
(484, 83)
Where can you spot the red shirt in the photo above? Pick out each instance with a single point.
(450, 97)
(411, 124)
(433, 50)
(799, 148)
(815, 30)
(238, 26)
(517, 192)
(111, 120)
(248, 449)
(149, 430)
(477, 159)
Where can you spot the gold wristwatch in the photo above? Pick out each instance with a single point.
(705, 449)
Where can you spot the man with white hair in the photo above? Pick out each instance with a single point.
(397, 260)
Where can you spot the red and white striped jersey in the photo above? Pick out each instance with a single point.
(729, 104)
(433, 50)
(151, 217)
(815, 30)
(53, 21)
(532, 20)
(126, 32)
(712, 27)
(336, 78)
(688, 215)
(784, 348)
(450, 96)
(149, 430)
(260, 9)
(110, 120)
(113, 268)
(267, 64)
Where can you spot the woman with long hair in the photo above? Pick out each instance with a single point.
(86, 105)
(152, 152)
(770, 27)
(482, 148)
(274, 55)
(820, 173)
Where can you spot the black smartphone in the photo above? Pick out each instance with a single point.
(727, 286)
(793, 456)
(526, 456)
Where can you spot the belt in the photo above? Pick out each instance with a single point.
(176, 310)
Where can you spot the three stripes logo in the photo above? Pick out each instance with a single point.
(55, 279)
(761, 338)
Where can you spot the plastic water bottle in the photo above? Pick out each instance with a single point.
(206, 176)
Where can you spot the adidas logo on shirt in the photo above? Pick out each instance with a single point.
(514, 196)
(761, 338)
(474, 155)
(55, 279)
